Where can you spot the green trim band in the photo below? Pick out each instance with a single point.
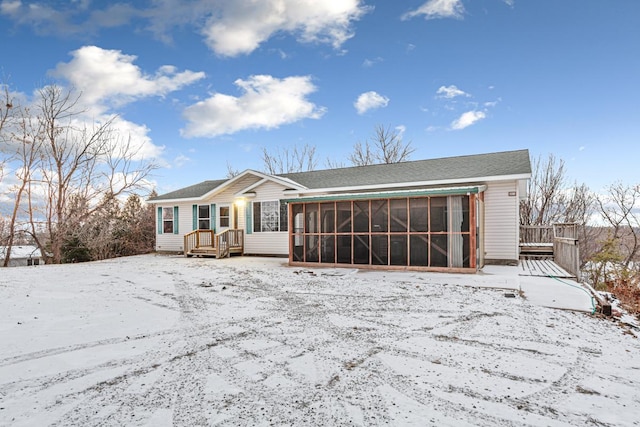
(458, 191)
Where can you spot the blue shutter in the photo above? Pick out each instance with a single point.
(248, 216)
(159, 220)
(212, 211)
(195, 217)
(175, 220)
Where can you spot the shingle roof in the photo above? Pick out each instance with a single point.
(458, 169)
(444, 169)
(193, 191)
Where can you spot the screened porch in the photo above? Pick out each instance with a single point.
(422, 230)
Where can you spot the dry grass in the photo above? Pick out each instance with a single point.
(627, 289)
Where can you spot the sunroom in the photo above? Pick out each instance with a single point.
(426, 229)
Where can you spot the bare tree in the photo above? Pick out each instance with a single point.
(231, 171)
(6, 113)
(386, 146)
(550, 200)
(620, 209)
(333, 164)
(299, 159)
(79, 161)
(362, 155)
(26, 141)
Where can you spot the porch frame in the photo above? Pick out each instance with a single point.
(471, 251)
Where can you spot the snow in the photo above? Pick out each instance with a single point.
(163, 340)
(20, 251)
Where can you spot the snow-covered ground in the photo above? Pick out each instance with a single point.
(158, 341)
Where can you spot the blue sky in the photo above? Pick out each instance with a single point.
(204, 84)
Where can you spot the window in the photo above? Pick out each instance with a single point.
(204, 217)
(270, 216)
(167, 220)
(224, 216)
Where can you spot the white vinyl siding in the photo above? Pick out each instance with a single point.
(169, 242)
(501, 221)
(275, 243)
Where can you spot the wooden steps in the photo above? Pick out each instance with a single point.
(205, 251)
(210, 251)
(536, 250)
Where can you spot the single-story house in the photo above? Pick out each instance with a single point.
(446, 214)
(21, 255)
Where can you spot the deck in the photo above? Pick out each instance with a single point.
(543, 268)
(550, 250)
(206, 243)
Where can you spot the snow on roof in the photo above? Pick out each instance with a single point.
(21, 251)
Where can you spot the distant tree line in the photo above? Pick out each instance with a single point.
(72, 185)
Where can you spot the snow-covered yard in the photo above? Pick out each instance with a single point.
(158, 340)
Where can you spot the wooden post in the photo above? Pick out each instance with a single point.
(472, 232)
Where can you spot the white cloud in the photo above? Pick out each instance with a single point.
(247, 148)
(467, 119)
(240, 26)
(135, 134)
(10, 7)
(450, 92)
(266, 103)
(371, 62)
(181, 160)
(109, 77)
(230, 27)
(370, 100)
(434, 9)
(68, 18)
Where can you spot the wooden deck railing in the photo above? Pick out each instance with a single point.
(564, 237)
(569, 230)
(536, 234)
(221, 245)
(566, 253)
(228, 241)
(196, 239)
